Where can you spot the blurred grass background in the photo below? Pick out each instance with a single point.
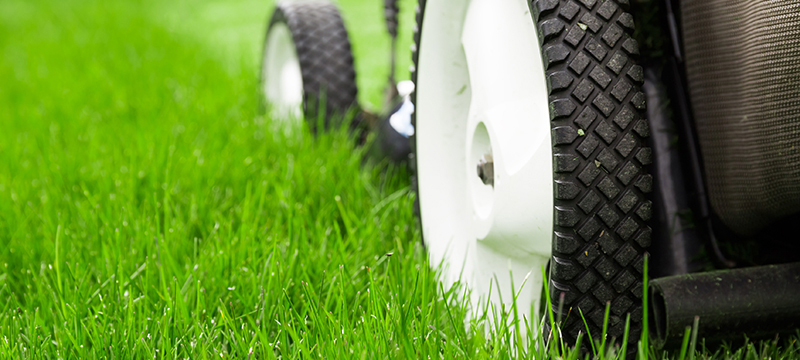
(234, 32)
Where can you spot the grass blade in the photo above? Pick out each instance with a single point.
(693, 346)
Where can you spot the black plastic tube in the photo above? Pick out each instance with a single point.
(676, 241)
(757, 302)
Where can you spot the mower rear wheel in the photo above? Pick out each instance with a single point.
(307, 67)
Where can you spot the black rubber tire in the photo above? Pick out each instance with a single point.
(326, 59)
(600, 156)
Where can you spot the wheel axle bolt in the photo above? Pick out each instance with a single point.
(486, 169)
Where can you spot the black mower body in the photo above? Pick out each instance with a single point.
(723, 93)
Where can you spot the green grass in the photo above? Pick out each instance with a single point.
(148, 210)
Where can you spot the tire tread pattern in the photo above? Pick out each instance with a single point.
(325, 55)
(601, 181)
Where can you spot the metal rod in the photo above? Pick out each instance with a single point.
(391, 11)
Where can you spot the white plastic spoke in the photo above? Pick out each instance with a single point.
(505, 86)
(502, 50)
(523, 207)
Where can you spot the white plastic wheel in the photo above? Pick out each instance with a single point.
(482, 96)
(282, 83)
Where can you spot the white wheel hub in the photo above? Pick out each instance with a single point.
(282, 82)
(484, 158)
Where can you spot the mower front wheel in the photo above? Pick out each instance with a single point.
(530, 149)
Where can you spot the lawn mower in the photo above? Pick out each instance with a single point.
(542, 135)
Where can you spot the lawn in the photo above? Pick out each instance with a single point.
(147, 208)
